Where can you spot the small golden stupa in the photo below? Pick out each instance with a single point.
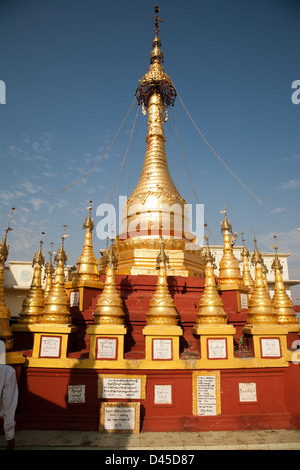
(248, 281)
(230, 277)
(109, 308)
(162, 310)
(33, 304)
(5, 330)
(260, 307)
(211, 308)
(56, 303)
(283, 306)
(87, 273)
(155, 206)
(49, 271)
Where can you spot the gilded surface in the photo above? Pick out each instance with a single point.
(260, 306)
(211, 309)
(162, 310)
(87, 265)
(229, 272)
(283, 305)
(56, 303)
(5, 330)
(109, 308)
(33, 304)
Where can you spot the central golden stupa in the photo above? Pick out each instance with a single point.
(155, 207)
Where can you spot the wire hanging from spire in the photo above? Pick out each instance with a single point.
(218, 156)
(101, 158)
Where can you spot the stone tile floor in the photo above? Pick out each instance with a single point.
(167, 441)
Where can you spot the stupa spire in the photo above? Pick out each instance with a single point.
(87, 266)
(283, 306)
(229, 272)
(162, 310)
(33, 304)
(260, 307)
(109, 308)
(211, 307)
(56, 304)
(49, 272)
(147, 213)
(248, 281)
(5, 330)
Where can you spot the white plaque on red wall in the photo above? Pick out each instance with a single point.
(50, 346)
(162, 394)
(247, 392)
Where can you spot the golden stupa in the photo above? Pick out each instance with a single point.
(56, 303)
(87, 273)
(155, 206)
(211, 308)
(49, 271)
(247, 278)
(230, 277)
(5, 330)
(162, 310)
(260, 307)
(109, 308)
(283, 306)
(33, 304)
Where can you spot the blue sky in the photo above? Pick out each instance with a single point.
(71, 68)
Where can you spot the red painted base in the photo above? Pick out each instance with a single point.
(43, 398)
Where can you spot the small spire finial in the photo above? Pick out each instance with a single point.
(156, 23)
(8, 226)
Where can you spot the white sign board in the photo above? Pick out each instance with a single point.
(206, 395)
(162, 349)
(163, 394)
(247, 392)
(50, 346)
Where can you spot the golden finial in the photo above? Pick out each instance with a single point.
(162, 257)
(157, 20)
(229, 272)
(211, 308)
(3, 245)
(5, 330)
(88, 222)
(33, 304)
(248, 281)
(56, 309)
(109, 308)
(207, 256)
(225, 225)
(283, 306)
(49, 272)
(39, 257)
(260, 306)
(87, 273)
(162, 310)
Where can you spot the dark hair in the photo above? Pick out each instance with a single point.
(3, 339)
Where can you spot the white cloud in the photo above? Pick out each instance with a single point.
(279, 210)
(290, 184)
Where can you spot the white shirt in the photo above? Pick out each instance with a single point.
(8, 399)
